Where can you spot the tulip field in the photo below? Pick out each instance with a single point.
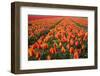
(57, 37)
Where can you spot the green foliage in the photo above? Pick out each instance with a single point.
(32, 40)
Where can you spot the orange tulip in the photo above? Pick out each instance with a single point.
(63, 50)
(60, 44)
(40, 42)
(71, 50)
(83, 46)
(76, 56)
(31, 52)
(37, 55)
(44, 45)
(51, 51)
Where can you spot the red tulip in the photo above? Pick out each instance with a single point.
(39, 42)
(64, 39)
(79, 51)
(55, 45)
(54, 49)
(39, 46)
(34, 46)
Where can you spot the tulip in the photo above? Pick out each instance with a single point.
(76, 56)
(57, 35)
(60, 44)
(63, 50)
(76, 43)
(71, 42)
(54, 49)
(64, 39)
(39, 46)
(55, 45)
(71, 50)
(39, 42)
(83, 46)
(30, 51)
(68, 46)
(38, 55)
(79, 51)
(51, 51)
(44, 45)
(34, 46)
(73, 36)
